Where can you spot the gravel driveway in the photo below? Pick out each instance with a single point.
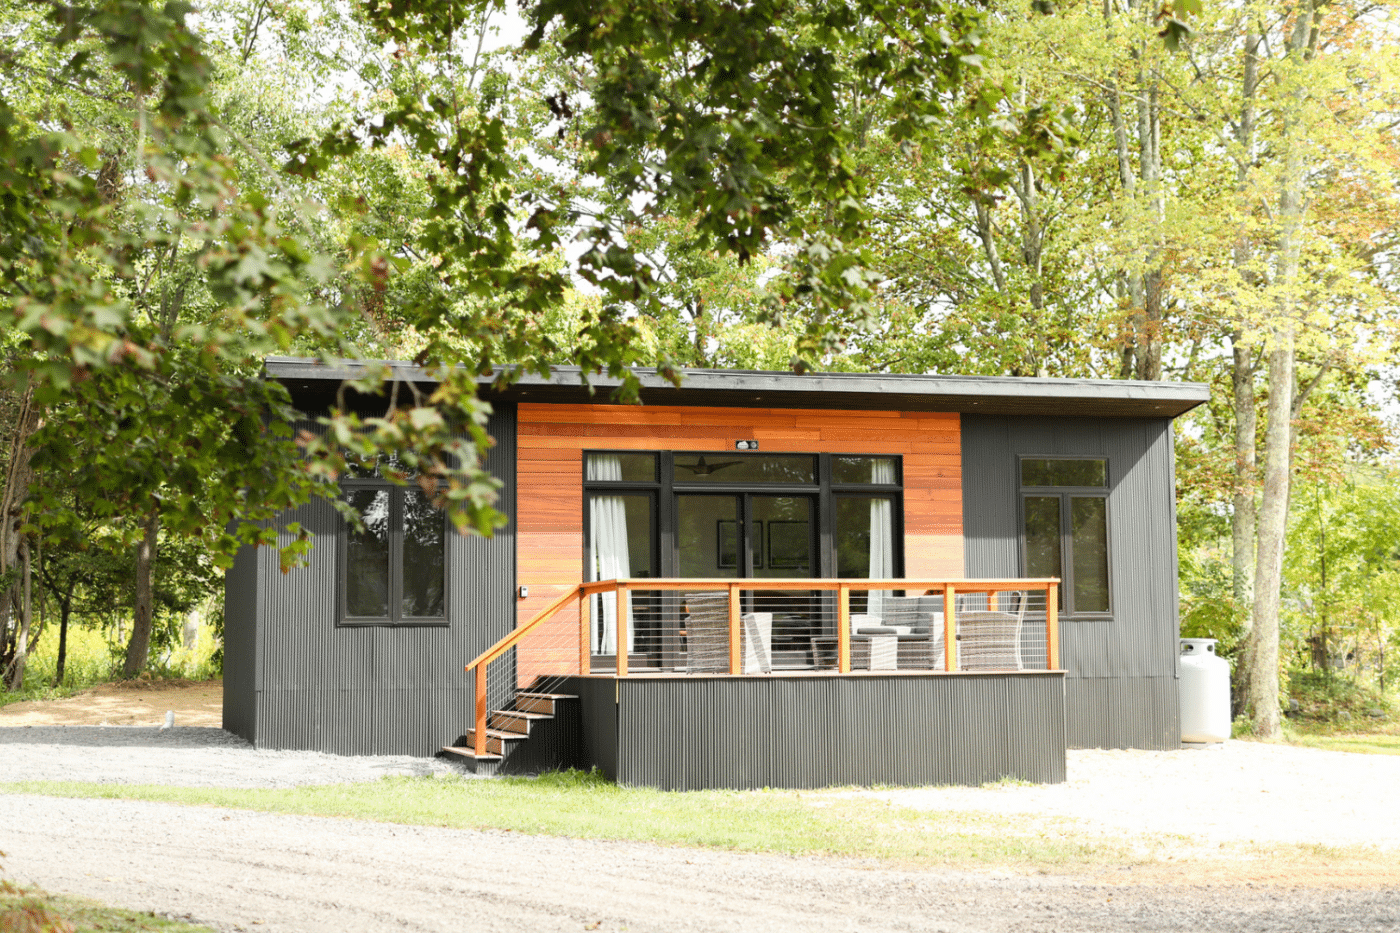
(254, 871)
(240, 870)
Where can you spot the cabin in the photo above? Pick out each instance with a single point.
(753, 580)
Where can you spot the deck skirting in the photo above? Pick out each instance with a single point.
(695, 732)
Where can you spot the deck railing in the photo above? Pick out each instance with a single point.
(634, 627)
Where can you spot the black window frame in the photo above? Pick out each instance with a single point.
(1065, 494)
(394, 619)
(823, 493)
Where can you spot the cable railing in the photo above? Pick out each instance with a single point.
(756, 626)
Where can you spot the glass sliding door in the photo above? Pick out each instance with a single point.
(727, 515)
(708, 541)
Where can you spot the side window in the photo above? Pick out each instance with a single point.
(1064, 527)
(394, 570)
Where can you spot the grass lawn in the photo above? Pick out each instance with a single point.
(58, 913)
(588, 806)
(1364, 742)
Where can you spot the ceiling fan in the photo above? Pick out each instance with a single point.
(701, 468)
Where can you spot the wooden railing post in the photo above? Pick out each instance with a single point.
(843, 628)
(479, 736)
(623, 601)
(950, 627)
(1052, 627)
(585, 633)
(736, 658)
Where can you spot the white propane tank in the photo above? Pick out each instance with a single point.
(1205, 692)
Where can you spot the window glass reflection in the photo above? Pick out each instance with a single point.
(879, 470)
(1088, 518)
(620, 468)
(1047, 472)
(424, 552)
(1043, 537)
(706, 535)
(785, 546)
(745, 468)
(367, 556)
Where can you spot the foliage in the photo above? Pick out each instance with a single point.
(1344, 574)
(1325, 699)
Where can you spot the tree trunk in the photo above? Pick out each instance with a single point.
(14, 679)
(1262, 645)
(1245, 506)
(139, 648)
(1261, 655)
(1142, 327)
(61, 662)
(1244, 513)
(18, 477)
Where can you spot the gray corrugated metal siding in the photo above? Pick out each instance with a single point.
(240, 645)
(373, 689)
(1131, 659)
(690, 733)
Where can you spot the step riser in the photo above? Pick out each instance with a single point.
(494, 744)
(465, 757)
(506, 722)
(535, 705)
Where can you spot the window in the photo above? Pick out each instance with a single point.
(394, 570)
(1064, 516)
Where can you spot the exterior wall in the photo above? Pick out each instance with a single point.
(553, 437)
(366, 689)
(692, 733)
(1121, 685)
(240, 645)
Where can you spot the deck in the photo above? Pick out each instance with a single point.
(743, 684)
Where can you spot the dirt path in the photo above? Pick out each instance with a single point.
(133, 703)
(252, 871)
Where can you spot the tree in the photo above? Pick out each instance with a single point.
(147, 265)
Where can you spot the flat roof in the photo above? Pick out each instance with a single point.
(725, 388)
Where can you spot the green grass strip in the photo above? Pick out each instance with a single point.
(1374, 744)
(38, 910)
(587, 806)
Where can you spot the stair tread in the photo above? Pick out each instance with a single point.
(470, 753)
(520, 712)
(547, 696)
(499, 734)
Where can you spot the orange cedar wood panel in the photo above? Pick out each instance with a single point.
(550, 476)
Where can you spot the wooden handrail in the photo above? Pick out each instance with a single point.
(965, 587)
(509, 640)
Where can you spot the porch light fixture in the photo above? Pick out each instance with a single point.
(746, 445)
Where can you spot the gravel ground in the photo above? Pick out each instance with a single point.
(1235, 792)
(186, 756)
(254, 871)
(236, 870)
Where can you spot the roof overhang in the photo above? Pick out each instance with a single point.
(991, 395)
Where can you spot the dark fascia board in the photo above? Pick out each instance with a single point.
(991, 395)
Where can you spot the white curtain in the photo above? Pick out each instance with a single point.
(881, 535)
(608, 559)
